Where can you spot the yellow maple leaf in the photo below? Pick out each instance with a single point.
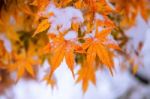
(135, 69)
(42, 26)
(29, 69)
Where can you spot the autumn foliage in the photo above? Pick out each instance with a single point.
(97, 38)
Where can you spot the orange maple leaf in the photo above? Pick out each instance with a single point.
(21, 64)
(86, 74)
(98, 46)
(62, 49)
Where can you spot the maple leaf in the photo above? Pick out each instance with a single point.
(102, 36)
(102, 7)
(20, 72)
(69, 56)
(41, 4)
(50, 80)
(62, 49)
(42, 26)
(57, 58)
(78, 4)
(97, 46)
(91, 55)
(135, 69)
(29, 69)
(86, 74)
(21, 64)
(75, 26)
(26, 9)
(105, 56)
(2, 49)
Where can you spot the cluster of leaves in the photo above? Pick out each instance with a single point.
(25, 24)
